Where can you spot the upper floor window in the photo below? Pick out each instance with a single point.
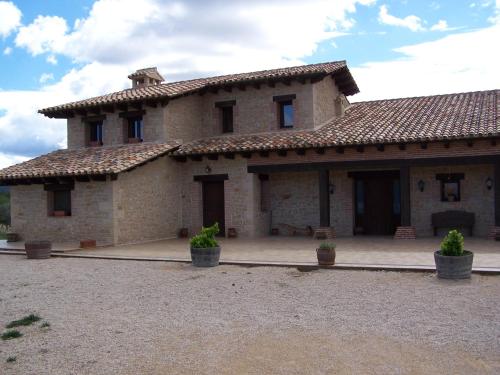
(135, 129)
(95, 133)
(285, 110)
(227, 115)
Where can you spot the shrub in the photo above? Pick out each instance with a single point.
(11, 359)
(453, 244)
(26, 321)
(206, 238)
(11, 334)
(327, 245)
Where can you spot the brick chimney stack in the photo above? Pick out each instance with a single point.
(146, 77)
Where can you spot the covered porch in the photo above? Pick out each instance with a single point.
(366, 251)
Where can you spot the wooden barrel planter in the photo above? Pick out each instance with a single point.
(205, 257)
(38, 249)
(454, 267)
(12, 237)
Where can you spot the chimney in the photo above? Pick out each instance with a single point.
(146, 77)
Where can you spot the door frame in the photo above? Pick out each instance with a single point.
(371, 174)
(208, 179)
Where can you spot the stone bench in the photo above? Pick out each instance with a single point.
(453, 219)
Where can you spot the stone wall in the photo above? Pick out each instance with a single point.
(183, 119)
(147, 202)
(241, 196)
(325, 94)
(475, 197)
(92, 214)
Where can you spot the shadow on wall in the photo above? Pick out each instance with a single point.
(4, 206)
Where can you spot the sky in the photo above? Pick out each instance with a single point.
(54, 51)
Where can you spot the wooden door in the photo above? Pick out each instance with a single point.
(377, 203)
(213, 205)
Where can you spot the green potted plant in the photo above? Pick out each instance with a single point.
(326, 254)
(452, 261)
(205, 251)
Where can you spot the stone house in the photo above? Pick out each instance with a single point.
(275, 149)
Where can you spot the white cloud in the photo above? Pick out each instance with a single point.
(9, 159)
(412, 22)
(51, 59)
(10, 18)
(46, 77)
(7, 51)
(441, 25)
(455, 63)
(44, 34)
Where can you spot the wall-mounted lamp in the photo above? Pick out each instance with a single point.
(489, 183)
(421, 185)
(208, 169)
(331, 188)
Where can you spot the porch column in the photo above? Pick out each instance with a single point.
(404, 180)
(496, 186)
(405, 231)
(324, 198)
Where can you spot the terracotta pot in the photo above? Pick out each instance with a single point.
(183, 233)
(95, 144)
(206, 257)
(275, 231)
(231, 233)
(38, 249)
(86, 244)
(134, 140)
(326, 257)
(454, 267)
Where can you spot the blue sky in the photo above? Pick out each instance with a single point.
(56, 51)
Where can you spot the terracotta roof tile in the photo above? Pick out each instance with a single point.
(87, 161)
(175, 89)
(419, 119)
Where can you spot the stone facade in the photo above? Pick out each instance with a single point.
(91, 217)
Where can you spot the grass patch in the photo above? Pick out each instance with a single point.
(11, 359)
(12, 334)
(3, 236)
(26, 321)
(45, 325)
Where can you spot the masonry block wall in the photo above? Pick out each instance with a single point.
(92, 214)
(241, 196)
(325, 93)
(475, 197)
(183, 119)
(146, 202)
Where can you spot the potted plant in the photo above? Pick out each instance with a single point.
(326, 254)
(452, 261)
(205, 251)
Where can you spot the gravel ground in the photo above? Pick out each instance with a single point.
(127, 317)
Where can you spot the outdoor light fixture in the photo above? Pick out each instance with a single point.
(421, 185)
(489, 183)
(331, 188)
(208, 169)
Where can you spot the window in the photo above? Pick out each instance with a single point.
(227, 119)
(285, 110)
(135, 129)
(59, 199)
(450, 186)
(95, 129)
(286, 114)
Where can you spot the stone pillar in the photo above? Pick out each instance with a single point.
(495, 231)
(406, 230)
(324, 198)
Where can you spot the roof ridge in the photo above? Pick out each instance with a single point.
(424, 96)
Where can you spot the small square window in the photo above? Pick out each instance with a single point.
(450, 186)
(59, 202)
(227, 119)
(135, 129)
(286, 114)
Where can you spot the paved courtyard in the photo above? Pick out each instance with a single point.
(121, 317)
(359, 250)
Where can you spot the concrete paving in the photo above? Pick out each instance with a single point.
(350, 251)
